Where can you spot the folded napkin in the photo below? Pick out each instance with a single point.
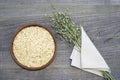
(88, 58)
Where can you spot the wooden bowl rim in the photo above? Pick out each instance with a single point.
(20, 64)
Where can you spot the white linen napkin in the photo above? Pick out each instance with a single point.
(90, 58)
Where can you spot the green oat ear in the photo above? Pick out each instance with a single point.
(65, 27)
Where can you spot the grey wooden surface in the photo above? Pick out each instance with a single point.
(100, 19)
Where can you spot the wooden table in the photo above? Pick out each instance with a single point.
(100, 19)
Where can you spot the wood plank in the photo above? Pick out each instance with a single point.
(85, 2)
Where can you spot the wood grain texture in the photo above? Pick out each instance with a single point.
(100, 19)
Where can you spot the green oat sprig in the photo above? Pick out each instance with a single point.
(107, 75)
(65, 27)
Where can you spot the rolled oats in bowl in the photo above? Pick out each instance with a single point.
(33, 47)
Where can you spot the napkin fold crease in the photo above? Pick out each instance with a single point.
(88, 58)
